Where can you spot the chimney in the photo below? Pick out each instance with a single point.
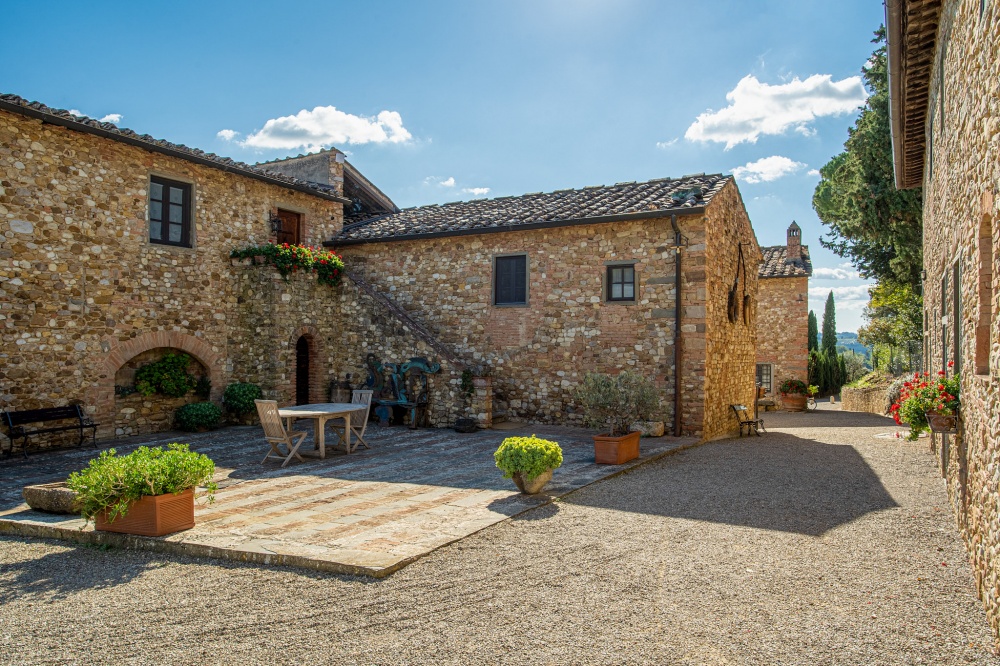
(794, 239)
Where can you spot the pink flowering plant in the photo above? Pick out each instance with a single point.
(923, 394)
(289, 259)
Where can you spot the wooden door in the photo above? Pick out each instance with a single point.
(290, 225)
(302, 371)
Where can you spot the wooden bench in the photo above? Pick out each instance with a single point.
(747, 421)
(16, 423)
(399, 387)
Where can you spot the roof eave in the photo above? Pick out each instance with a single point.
(163, 150)
(894, 27)
(549, 224)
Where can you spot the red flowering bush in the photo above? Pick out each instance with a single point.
(288, 259)
(924, 394)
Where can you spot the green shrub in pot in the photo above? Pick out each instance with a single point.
(197, 416)
(528, 456)
(239, 397)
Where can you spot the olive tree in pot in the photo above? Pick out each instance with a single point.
(148, 492)
(529, 461)
(616, 402)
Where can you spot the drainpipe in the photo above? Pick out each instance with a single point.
(677, 325)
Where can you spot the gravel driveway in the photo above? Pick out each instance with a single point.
(817, 544)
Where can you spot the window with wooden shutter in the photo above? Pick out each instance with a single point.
(169, 212)
(510, 280)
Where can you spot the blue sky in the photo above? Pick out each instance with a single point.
(444, 101)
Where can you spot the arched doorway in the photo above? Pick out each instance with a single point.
(302, 371)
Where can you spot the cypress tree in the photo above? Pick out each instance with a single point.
(830, 328)
(813, 332)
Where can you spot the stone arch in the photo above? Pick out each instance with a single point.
(317, 365)
(102, 395)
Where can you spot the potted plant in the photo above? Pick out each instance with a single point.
(616, 403)
(928, 404)
(793, 395)
(529, 461)
(197, 416)
(149, 492)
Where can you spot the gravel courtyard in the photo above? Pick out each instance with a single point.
(816, 544)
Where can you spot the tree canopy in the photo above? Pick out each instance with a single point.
(874, 225)
(894, 315)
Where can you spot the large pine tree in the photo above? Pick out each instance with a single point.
(830, 328)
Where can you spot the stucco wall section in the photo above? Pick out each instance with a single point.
(79, 281)
(783, 328)
(961, 176)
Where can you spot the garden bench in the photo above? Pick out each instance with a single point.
(17, 421)
(401, 386)
(747, 421)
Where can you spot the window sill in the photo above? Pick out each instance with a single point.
(510, 305)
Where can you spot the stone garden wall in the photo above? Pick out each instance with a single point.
(961, 173)
(872, 400)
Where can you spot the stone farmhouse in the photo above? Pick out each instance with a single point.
(783, 312)
(944, 64)
(114, 249)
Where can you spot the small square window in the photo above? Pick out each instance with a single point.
(510, 280)
(169, 212)
(621, 283)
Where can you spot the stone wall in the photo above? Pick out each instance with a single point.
(729, 348)
(82, 291)
(783, 328)
(871, 400)
(961, 173)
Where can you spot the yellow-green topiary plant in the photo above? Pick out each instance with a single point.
(531, 456)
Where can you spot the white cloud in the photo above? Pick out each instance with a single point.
(813, 172)
(667, 144)
(854, 297)
(834, 274)
(757, 108)
(767, 169)
(450, 182)
(227, 134)
(110, 118)
(325, 126)
(476, 191)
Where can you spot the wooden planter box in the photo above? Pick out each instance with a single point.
(153, 515)
(610, 450)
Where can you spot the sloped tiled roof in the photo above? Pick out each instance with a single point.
(602, 203)
(64, 118)
(776, 264)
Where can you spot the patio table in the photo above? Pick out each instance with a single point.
(321, 413)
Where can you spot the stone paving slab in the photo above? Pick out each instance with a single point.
(370, 512)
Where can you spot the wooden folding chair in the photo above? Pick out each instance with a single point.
(275, 433)
(358, 427)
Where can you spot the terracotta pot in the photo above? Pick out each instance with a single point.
(942, 423)
(153, 515)
(259, 258)
(610, 450)
(793, 402)
(535, 485)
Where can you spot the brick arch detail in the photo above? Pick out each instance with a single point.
(317, 363)
(102, 396)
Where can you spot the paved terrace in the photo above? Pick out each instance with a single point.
(370, 512)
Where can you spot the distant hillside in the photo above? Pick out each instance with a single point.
(848, 341)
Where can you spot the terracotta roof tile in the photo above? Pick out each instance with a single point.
(776, 263)
(596, 203)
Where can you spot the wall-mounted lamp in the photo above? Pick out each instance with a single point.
(923, 276)
(275, 223)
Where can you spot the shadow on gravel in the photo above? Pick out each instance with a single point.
(46, 576)
(825, 418)
(777, 482)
